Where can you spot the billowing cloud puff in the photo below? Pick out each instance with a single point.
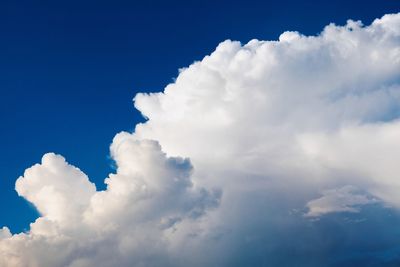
(272, 153)
(125, 224)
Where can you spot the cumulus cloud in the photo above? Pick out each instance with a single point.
(235, 157)
(80, 226)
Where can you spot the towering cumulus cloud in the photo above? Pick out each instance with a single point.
(272, 153)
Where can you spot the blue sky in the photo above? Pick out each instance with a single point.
(70, 69)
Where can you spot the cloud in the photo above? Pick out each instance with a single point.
(344, 199)
(79, 226)
(232, 160)
(59, 191)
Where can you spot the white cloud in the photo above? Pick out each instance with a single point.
(78, 226)
(344, 199)
(270, 124)
(368, 154)
(59, 191)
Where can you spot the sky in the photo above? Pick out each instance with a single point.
(304, 133)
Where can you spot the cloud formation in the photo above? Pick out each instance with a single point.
(235, 158)
(125, 224)
(344, 199)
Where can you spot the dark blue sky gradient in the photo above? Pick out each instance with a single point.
(69, 69)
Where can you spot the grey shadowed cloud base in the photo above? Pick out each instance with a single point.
(272, 153)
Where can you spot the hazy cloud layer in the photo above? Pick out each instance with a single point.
(272, 153)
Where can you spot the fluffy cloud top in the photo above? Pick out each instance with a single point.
(235, 157)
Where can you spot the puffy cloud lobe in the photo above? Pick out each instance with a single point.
(5, 233)
(148, 195)
(303, 127)
(264, 89)
(160, 187)
(59, 191)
